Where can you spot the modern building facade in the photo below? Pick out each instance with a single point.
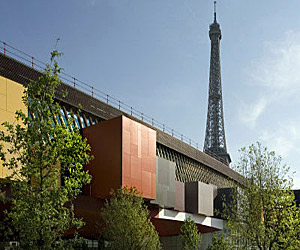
(176, 180)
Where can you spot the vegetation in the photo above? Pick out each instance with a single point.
(190, 237)
(219, 243)
(41, 153)
(265, 215)
(127, 224)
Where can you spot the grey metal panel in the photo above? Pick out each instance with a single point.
(205, 199)
(165, 183)
(180, 196)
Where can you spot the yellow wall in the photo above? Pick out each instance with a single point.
(10, 101)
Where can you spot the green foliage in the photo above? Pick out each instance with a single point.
(189, 235)
(75, 243)
(41, 152)
(265, 215)
(219, 243)
(127, 224)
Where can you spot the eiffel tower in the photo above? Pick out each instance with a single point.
(215, 142)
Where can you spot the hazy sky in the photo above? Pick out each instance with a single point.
(154, 55)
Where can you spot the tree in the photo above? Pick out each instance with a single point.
(127, 225)
(219, 243)
(189, 235)
(265, 215)
(42, 152)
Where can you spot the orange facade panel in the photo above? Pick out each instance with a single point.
(139, 157)
(124, 155)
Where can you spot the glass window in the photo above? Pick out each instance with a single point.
(76, 120)
(88, 121)
(82, 121)
(63, 116)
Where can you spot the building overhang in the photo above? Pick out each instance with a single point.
(168, 222)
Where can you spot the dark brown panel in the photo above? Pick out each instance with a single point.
(191, 197)
(105, 141)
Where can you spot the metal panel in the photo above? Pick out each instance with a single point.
(179, 192)
(199, 198)
(205, 199)
(118, 159)
(139, 157)
(105, 141)
(165, 182)
(191, 197)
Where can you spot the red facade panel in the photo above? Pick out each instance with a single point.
(124, 155)
(141, 142)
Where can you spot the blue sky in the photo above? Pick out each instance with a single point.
(154, 55)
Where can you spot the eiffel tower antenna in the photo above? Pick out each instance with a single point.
(215, 142)
(215, 11)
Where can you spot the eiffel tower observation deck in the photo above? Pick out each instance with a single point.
(215, 142)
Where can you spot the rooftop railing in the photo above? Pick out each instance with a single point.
(38, 65)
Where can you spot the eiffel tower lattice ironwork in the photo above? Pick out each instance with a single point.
(215, 142)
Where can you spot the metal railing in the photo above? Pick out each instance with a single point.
(36, 64)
